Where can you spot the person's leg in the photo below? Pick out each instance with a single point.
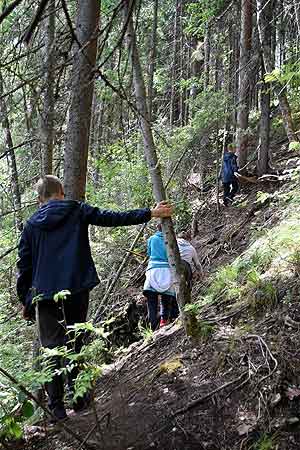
(174, 310)
(165, 309)
(75, 310)
(152, 303)
(52, 334)
(226, 193)
(234, 188)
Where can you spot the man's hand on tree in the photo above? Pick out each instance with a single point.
(162, 210)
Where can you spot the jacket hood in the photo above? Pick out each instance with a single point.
(228, 155)
(53, 214)
(183, 242)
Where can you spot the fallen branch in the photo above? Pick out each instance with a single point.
(262, 342)
(197, 401)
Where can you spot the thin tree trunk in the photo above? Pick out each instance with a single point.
(264, 130)
(297, 14)
(47, 125)
(173, 108)
(77, 139)
(11, 159)
(244, 82)
(265, 13)
(206, 57)
(152, 58)
(183, 294)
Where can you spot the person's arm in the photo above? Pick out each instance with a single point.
(196, 260)
(149, 247)
(234, 164)
(107, 218)
(24, 265)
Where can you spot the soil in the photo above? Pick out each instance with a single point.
(233, 388)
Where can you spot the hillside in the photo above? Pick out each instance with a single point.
(237, 385)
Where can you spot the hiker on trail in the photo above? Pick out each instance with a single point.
(188, 255)
(55, 255)
(230, 180)
(159, 282)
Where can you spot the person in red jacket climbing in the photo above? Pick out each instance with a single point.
(55, 255)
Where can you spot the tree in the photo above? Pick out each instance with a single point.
(77, 136)
(152, 58)
(265, 10)
(47, 119)
(183, 296)
(11, 159)
(244, 81)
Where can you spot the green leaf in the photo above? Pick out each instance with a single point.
(62, 295)
(27, 409)
(294, 146)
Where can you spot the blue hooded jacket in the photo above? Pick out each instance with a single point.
(156, 250)
(229, 167)
(54, 250)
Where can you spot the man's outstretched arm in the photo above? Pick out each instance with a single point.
(107, 218)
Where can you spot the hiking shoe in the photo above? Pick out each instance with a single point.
(82, 403)
(163, 323)
(59, 414)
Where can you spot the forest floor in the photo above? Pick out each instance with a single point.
(237, 386)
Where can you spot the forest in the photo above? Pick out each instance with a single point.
(137, 106)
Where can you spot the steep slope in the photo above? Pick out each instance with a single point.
(237, 385)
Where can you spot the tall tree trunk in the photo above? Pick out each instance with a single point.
(265, 13)
(173, 99)
(77, 138)
(183, 296)
(297, 14)
(47, 125)
(264, 131)
(244, 83)
(11, 159)
(206, 57)
(152, 58)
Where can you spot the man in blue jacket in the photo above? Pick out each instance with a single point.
(55, 255)
(230, 181)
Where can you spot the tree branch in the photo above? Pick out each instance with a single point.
(9, 9)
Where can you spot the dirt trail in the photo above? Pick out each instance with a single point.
(235, 389)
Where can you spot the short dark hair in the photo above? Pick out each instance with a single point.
(49, 185)
(231, 146)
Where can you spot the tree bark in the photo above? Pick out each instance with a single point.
(244, 81)
(206, 57)
(265, 12)
(183, 296)
(152, 58)
(11, 159)
(173, 100)
(264, 131)
(47, 119)
(297, 14)
(77, 138)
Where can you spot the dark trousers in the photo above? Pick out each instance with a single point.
(52, 319)
(230, 190)
(169, 308)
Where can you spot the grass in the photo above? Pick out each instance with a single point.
(252, 275)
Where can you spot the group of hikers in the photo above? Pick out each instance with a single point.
(55, 255)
